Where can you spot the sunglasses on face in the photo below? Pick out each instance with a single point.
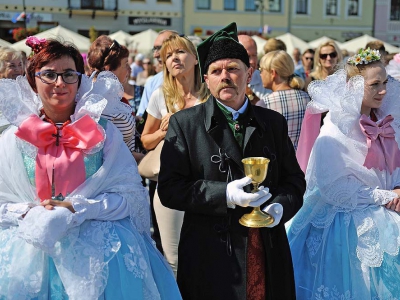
(156, 48)
(331, 55)
(309, 58)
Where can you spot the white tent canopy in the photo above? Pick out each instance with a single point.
(143, 42)
(315, 43)
(59, 33)
(260, 42)
(292, 42)
(121, 37)
(355, 44)
(4, 43)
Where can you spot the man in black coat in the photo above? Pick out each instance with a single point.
(202, 174)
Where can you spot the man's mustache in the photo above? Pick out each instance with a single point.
(227, 84)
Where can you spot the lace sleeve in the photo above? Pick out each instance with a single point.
(348, 192)
(17, 100)
(107, 207)
(10, 213)
(336, 170)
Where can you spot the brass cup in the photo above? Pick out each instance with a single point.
(256, 168)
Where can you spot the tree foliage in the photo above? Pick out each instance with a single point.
(93, 34)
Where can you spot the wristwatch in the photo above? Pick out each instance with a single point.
(251, 96)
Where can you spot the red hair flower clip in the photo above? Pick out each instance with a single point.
(35, 43)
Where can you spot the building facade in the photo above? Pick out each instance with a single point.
(387, 25)
(204, 17)
(106, 16)
(341, 20)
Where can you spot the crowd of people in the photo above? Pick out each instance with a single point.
(79, 221)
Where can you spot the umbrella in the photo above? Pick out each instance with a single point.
(59, 33)
(121, 37)
(4, 43)
(260, 42)
(355, 44)
(143, 42)
(315, 43)
(291, 41)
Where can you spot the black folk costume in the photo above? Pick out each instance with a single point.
(201, 154)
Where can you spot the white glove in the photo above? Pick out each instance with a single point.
(275, 210)
(235, 195)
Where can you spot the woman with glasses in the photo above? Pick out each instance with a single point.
(106, 54)
(327, 59)
(277, 73)
(74, 216)
(181, 89)
(11, 63)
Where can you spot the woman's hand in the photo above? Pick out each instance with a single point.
(165, 122)
(50, 203)
(394, 205)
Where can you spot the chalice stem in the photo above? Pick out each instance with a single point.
(257, 209)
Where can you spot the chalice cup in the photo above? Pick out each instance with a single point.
(256, 168)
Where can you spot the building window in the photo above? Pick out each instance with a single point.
(331, 8)
(230, 4)
(92, 4)
(395, 10)
(302, 7)
(353, 8)
(275, 5)
(203, 4)
(250, 5)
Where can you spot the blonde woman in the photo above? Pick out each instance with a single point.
(11, 63)
(287, 97)
(182, 88)
(326, 59)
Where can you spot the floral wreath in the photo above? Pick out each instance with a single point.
(36, 44)
(364, 56)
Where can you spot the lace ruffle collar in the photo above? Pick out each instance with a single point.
(18, 101)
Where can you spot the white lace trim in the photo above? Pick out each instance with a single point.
(18, 102)
(336, 175)
(85, 250)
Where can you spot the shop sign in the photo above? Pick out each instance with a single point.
(149, 21)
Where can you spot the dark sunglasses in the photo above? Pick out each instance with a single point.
(331, 55)
(156, 48)
(309, 58)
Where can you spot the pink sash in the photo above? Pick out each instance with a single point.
(383, 150)
(65, 159)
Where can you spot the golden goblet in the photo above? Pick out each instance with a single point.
(256, 168)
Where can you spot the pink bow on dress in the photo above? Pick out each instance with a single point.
(61, 152)
(383, 151)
